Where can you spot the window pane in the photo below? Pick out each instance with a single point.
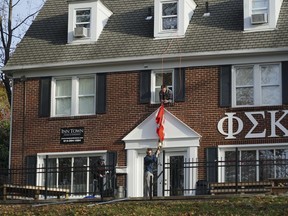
(83, 16)
(51, 173)
(65, 173)
(270, 74)
(169, 23)
(63, 106)
(169, 9)
(63, 87)
(244, 76)
(248, 166)
(281, 163)
(86, 105)
(271, 95)
(164, 78)
(86, 86)
(259, 4)
(80, 175)
(266, 164)
(230, 161)
(157, 90)
(244, 96)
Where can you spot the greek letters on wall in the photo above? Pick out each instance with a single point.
(232, 124)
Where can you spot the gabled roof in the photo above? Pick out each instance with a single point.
(128, 34)
(173, 129)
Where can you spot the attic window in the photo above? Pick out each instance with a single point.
(169, 16)
(172, 17)
(86, 21)
(82, 24)
(259, 6)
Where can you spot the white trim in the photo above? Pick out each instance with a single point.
(74, 109)
(153, 83)
(71, 153)
(247, 146)
(257, 85)
(99, 16)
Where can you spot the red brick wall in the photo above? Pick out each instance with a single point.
(200, 111)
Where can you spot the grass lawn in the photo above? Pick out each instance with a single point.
(256, 205)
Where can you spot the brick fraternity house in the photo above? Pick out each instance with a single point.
(87, 74)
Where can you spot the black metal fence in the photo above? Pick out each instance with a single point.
(49, 182)
(179, 177)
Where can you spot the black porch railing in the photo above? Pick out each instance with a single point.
(49, 182)
(178, 176)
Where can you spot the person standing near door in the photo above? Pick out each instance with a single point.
(149, 160)
(99, 175)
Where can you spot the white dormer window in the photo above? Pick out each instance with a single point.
(261, 15)
(259, 12)
(82, 23)
(169, 16)
(172, 17)
(86, 20)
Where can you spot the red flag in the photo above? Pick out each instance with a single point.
(160, 121)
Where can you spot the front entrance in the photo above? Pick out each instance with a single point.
(180, 142)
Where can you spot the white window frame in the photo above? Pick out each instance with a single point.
(256, 85)
(252, 147)
(255, 10)
(169, 16)
(74, 95)
(60, 155)
(185, 11)
(154, 86)
(272, 10)
(75, 22)
(99, 15)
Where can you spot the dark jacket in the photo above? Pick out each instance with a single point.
(167, 95)
(149, 161)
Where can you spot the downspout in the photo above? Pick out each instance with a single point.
(23, 79)
(11, 122)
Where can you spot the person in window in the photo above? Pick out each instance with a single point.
(149, 160)
(165, 95)
(99, 175)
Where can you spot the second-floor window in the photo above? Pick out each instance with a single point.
(73, 96)
(159, 78)
(256, 85)
(169, 15)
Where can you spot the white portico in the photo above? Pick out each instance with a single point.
(179, 140)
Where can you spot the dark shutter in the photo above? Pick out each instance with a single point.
(31, 169)
(145, 89)
(101, 93)
(111, 158)
(179, 85)
(225, 86)
(285, 82)
(212, 164)
(45, 93)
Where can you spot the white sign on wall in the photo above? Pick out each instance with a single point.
(235, 129)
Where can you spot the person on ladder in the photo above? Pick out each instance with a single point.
(165, 95)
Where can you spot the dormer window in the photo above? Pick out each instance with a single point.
(82, 24)
(172, 17)
(261, 15)
(259, 12)
(169, 16)
(86, 20)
